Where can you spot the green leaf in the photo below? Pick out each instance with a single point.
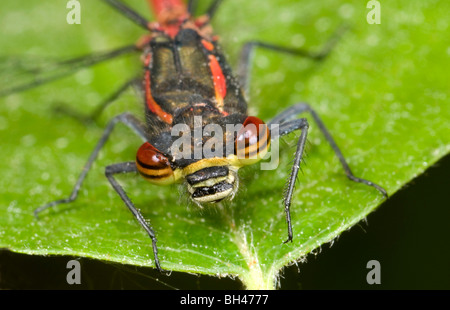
(383, 94)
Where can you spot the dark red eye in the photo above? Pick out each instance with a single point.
(153, 165)
(252, 141)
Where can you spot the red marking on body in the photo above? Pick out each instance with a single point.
(152, 105)
(220, 84)
(162, 7)
(201, 21)
(208, 45)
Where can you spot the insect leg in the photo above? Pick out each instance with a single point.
(129, 13)
(124, 118)
(287, 125)
(99, 109)
(110, 171)
(304, 107)
(213, 9)
(192, 6)
(243, 70)
(210, 12)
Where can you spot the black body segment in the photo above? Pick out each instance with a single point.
(207, 173)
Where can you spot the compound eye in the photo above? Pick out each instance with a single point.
(153, 165)
(252, 141)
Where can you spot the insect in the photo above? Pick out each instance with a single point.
(186, 81)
